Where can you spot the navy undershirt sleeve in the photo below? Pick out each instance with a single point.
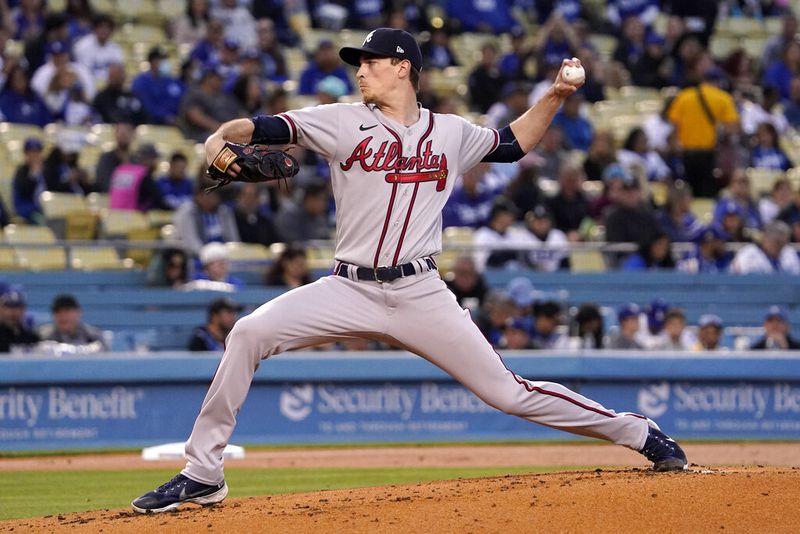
(508, 149)
(270, 130)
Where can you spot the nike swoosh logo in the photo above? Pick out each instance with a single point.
(182, 496)
(365, 128)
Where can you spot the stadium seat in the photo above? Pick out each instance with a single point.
(98, 259)
(159, 218)
(10, 131)
(761, 180)
(116, 223)
(141, 256)
(8, 259)
(22, 233)
(703, 209)
(586, 261)
(152, 133)
(592, 188)
(247, 252)
(320, 257)
(41, 259)
(58, 205)
(97, 201)
(142, 33)
(80, 225)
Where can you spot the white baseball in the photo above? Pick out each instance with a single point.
(573, 75)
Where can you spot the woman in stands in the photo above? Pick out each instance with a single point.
(19, 103)
(290, 270)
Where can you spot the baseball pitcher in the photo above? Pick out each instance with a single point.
(392, 165)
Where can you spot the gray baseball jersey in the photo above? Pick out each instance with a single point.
(390, 183)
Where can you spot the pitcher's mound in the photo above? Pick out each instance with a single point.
(699, 500)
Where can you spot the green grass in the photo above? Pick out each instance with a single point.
(39, 493)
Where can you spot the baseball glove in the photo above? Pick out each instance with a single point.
(258, 163)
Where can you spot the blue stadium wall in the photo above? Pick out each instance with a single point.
(315, 397)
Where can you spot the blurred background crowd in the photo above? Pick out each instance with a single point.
(678, 154)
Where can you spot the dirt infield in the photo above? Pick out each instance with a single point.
(729, 454)
(704, 499)
(737, 500)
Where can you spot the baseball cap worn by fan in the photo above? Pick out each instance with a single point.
(212, 252)
(709, 319)
(12, 299)
(223, 303)
(628, 310)
(521, 291)
(775, 312)
(385, 42)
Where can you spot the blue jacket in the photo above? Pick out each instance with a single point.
(174, 193)
(24, 109)
(464, 210)
(160, 96)
(313, 75)
(477, 13)
(578, 131)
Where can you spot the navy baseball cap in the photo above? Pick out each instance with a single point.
(57, 47)
(628, 310)
(775, 311)
(656, 314)
(385, 42)
(707, 234)
(33, 143)
(12, 299)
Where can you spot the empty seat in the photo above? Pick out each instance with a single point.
(97, 201)
(80, 225)
(152, 133)
(122, 222)
(58, 205)
(586, 261)
(41, 258)
(23, 233)
(703, 209)
(159, 218)
(98, 259)
(247, 252)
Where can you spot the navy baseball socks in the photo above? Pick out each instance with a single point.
(178, 491)
(662, 450)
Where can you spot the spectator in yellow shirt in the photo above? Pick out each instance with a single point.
(697, 113)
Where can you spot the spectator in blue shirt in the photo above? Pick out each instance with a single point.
(29, 183)
(325, 63)
(270, 53)
(206, 51)
(740, 195)
(471, 200)
(676, 218)
(644, 10)
(767, 154)
(512, 64)
(729, 220)
(27, 19)
(780, 73)
(158, 91)
(487, 16)
(709, 254)
(174, 186)
(655, 253)
(555, 41)
(19, 103)
(436, 51)
(577, 130)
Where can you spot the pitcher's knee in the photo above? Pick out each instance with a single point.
(251, 331)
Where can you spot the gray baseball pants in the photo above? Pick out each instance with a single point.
(417, 313)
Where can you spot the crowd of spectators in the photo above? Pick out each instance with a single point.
(725, 114)
(720, 116)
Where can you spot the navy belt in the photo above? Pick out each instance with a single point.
(385, 274)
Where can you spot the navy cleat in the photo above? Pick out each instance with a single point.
(178, 491)
(662, 450)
